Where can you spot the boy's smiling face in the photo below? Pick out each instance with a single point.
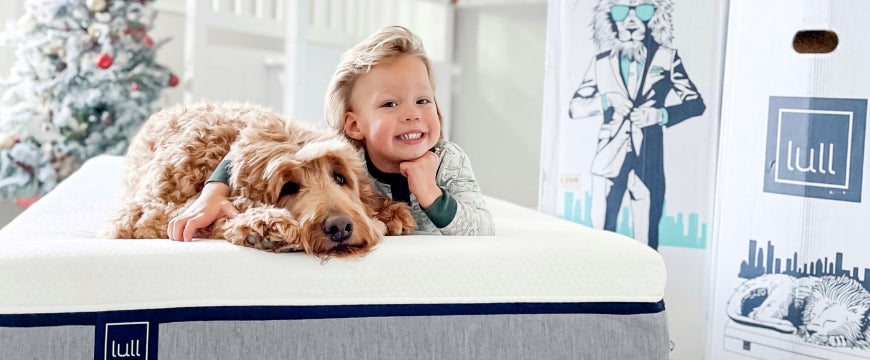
(394, 113)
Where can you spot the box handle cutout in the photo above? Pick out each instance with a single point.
(815, 41)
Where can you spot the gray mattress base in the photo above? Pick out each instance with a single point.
(509, 336)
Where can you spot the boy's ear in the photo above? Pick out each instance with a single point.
(351, 126)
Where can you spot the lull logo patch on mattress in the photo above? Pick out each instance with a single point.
(127, 341)
(815, 147)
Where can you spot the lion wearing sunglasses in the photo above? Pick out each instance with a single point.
(638, 85)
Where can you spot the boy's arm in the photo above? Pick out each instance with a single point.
(211, 204)
(460, 210)
(222, 172)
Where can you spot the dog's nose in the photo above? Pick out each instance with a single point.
(338, 228)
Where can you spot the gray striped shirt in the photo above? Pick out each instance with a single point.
(456, 180)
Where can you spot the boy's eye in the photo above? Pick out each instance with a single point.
(339, 179)
(423, 101)
(390, 104)
(289, 188)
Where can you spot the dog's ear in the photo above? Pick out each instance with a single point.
(261, 156)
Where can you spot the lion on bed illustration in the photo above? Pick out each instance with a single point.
(828, 310)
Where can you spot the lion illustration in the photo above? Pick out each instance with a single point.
(638, 85)
(827, 310)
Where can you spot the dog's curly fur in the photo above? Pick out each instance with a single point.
(176, 151)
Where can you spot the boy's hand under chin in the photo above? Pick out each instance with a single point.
(421, 178)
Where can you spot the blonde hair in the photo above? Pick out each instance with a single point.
(384, 45)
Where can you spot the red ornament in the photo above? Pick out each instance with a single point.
(134, 30)
(148, 41)
(103, 61)
(173, 80)
(24, 203)
(26, 168)
(134, 87)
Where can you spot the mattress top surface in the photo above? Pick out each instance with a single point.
(51, 260)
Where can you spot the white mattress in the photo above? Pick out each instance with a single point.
(51, 261)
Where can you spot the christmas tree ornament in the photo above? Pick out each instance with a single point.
(135, 12)
(134, 87)
(103, 61)
(103, 17)
(27, 195)
(25, 167)
(97, 30)
(6, 141)
(79, 14)
(25, 203)
(96, 5)
(137, 33)
(173, 80)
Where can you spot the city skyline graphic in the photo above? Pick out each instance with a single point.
(760, 263)
(673, 231)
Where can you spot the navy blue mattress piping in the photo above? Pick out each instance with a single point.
(261, 313)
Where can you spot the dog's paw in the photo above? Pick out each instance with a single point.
(398, 219)
(267, 229)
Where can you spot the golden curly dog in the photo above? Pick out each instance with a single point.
(296, 188)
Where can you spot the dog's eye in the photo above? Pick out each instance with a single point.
(339, 179)
(290, 188)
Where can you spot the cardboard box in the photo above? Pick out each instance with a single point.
(791, 269)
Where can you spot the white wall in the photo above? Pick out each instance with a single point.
(312, 73)
(170, 24)
(498, 96)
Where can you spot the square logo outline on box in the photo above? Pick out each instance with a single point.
(779, 148)
(106, 348)
(828, 121)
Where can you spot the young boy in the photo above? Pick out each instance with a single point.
(382, 97)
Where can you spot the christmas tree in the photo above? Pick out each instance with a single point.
(83, 81)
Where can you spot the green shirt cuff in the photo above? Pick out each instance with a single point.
(443, 210)
(603, 102)
(221, 173)
(664, 117)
